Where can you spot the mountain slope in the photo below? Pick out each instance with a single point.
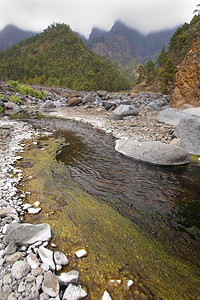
(11, 35)
(58, 56)
(123, 42)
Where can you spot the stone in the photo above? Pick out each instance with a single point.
(156, 153)
(20, 269)
(60, 258)
(47, 105)
(177, 142)
(46, 256)
(4, 293)
(193, 111)
(88, 99)
(106, 296)
(188, 130)
(81, 253)
(7, 279)
(172, 116)
(109, 104)
(130, 283)
(69, 277)
(74, 292)
(74, 101)
(27, 234)
(153, 106)
(33, 261)
(123, 111)
(11, 248)
(11, 108)
(33, 210)
(5, 212)
(50, 284)
(37, 271)
(13, 257)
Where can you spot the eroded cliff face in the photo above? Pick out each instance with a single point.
(187, 79)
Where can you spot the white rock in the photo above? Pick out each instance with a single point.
(69, 277)
(26, 206)
(50, 284)
(20, 269)
(130, 282)
(60, 258)
(33, 261)
(36, 203)
(106, 296)
(46, 256)
(73, 292)
(81, 253)
(33, 210)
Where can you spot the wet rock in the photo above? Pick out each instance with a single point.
(81, 253)
(20, 269)
(74, 292)
(106, 296)
(60, 258)
(188, 130)
(69, 277)
(50, 284)
(123, 111)
(153, 152)
(46, 256)
(26, 234)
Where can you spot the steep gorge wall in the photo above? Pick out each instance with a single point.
(187, 80)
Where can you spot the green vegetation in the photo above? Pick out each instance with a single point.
(59, 57)
(27, 90)
(164, 69)
(12, 98)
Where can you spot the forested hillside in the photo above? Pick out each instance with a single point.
(163, 71)
(59, 57)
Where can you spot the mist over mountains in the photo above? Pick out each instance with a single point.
(120, 44)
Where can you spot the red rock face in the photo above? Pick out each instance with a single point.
(187, 80)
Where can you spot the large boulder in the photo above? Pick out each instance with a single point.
(172, 116)
(27, 234)
(193, 111)
(156, 153)
(188, 130)
(123, 111)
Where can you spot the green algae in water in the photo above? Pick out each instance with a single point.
(116, 247)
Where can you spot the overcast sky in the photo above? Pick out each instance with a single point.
(82, 15)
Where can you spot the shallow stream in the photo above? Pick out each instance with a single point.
(141, 223)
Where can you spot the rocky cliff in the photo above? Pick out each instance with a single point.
(187, 79)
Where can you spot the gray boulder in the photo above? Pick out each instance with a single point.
(172, 116)
(153, 106)
(27, 234)
(188, 130)
(123, 111)
(88, 99)
(156, 153)
(193, 111)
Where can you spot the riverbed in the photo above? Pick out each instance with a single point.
(138, 222)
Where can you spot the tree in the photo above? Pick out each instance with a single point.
(162, 57)
(197, 10)
(141, 73)
(149, 70)
(166, 76)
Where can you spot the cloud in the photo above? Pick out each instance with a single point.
(81, 15)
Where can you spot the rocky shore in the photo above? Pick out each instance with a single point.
(27, 267)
